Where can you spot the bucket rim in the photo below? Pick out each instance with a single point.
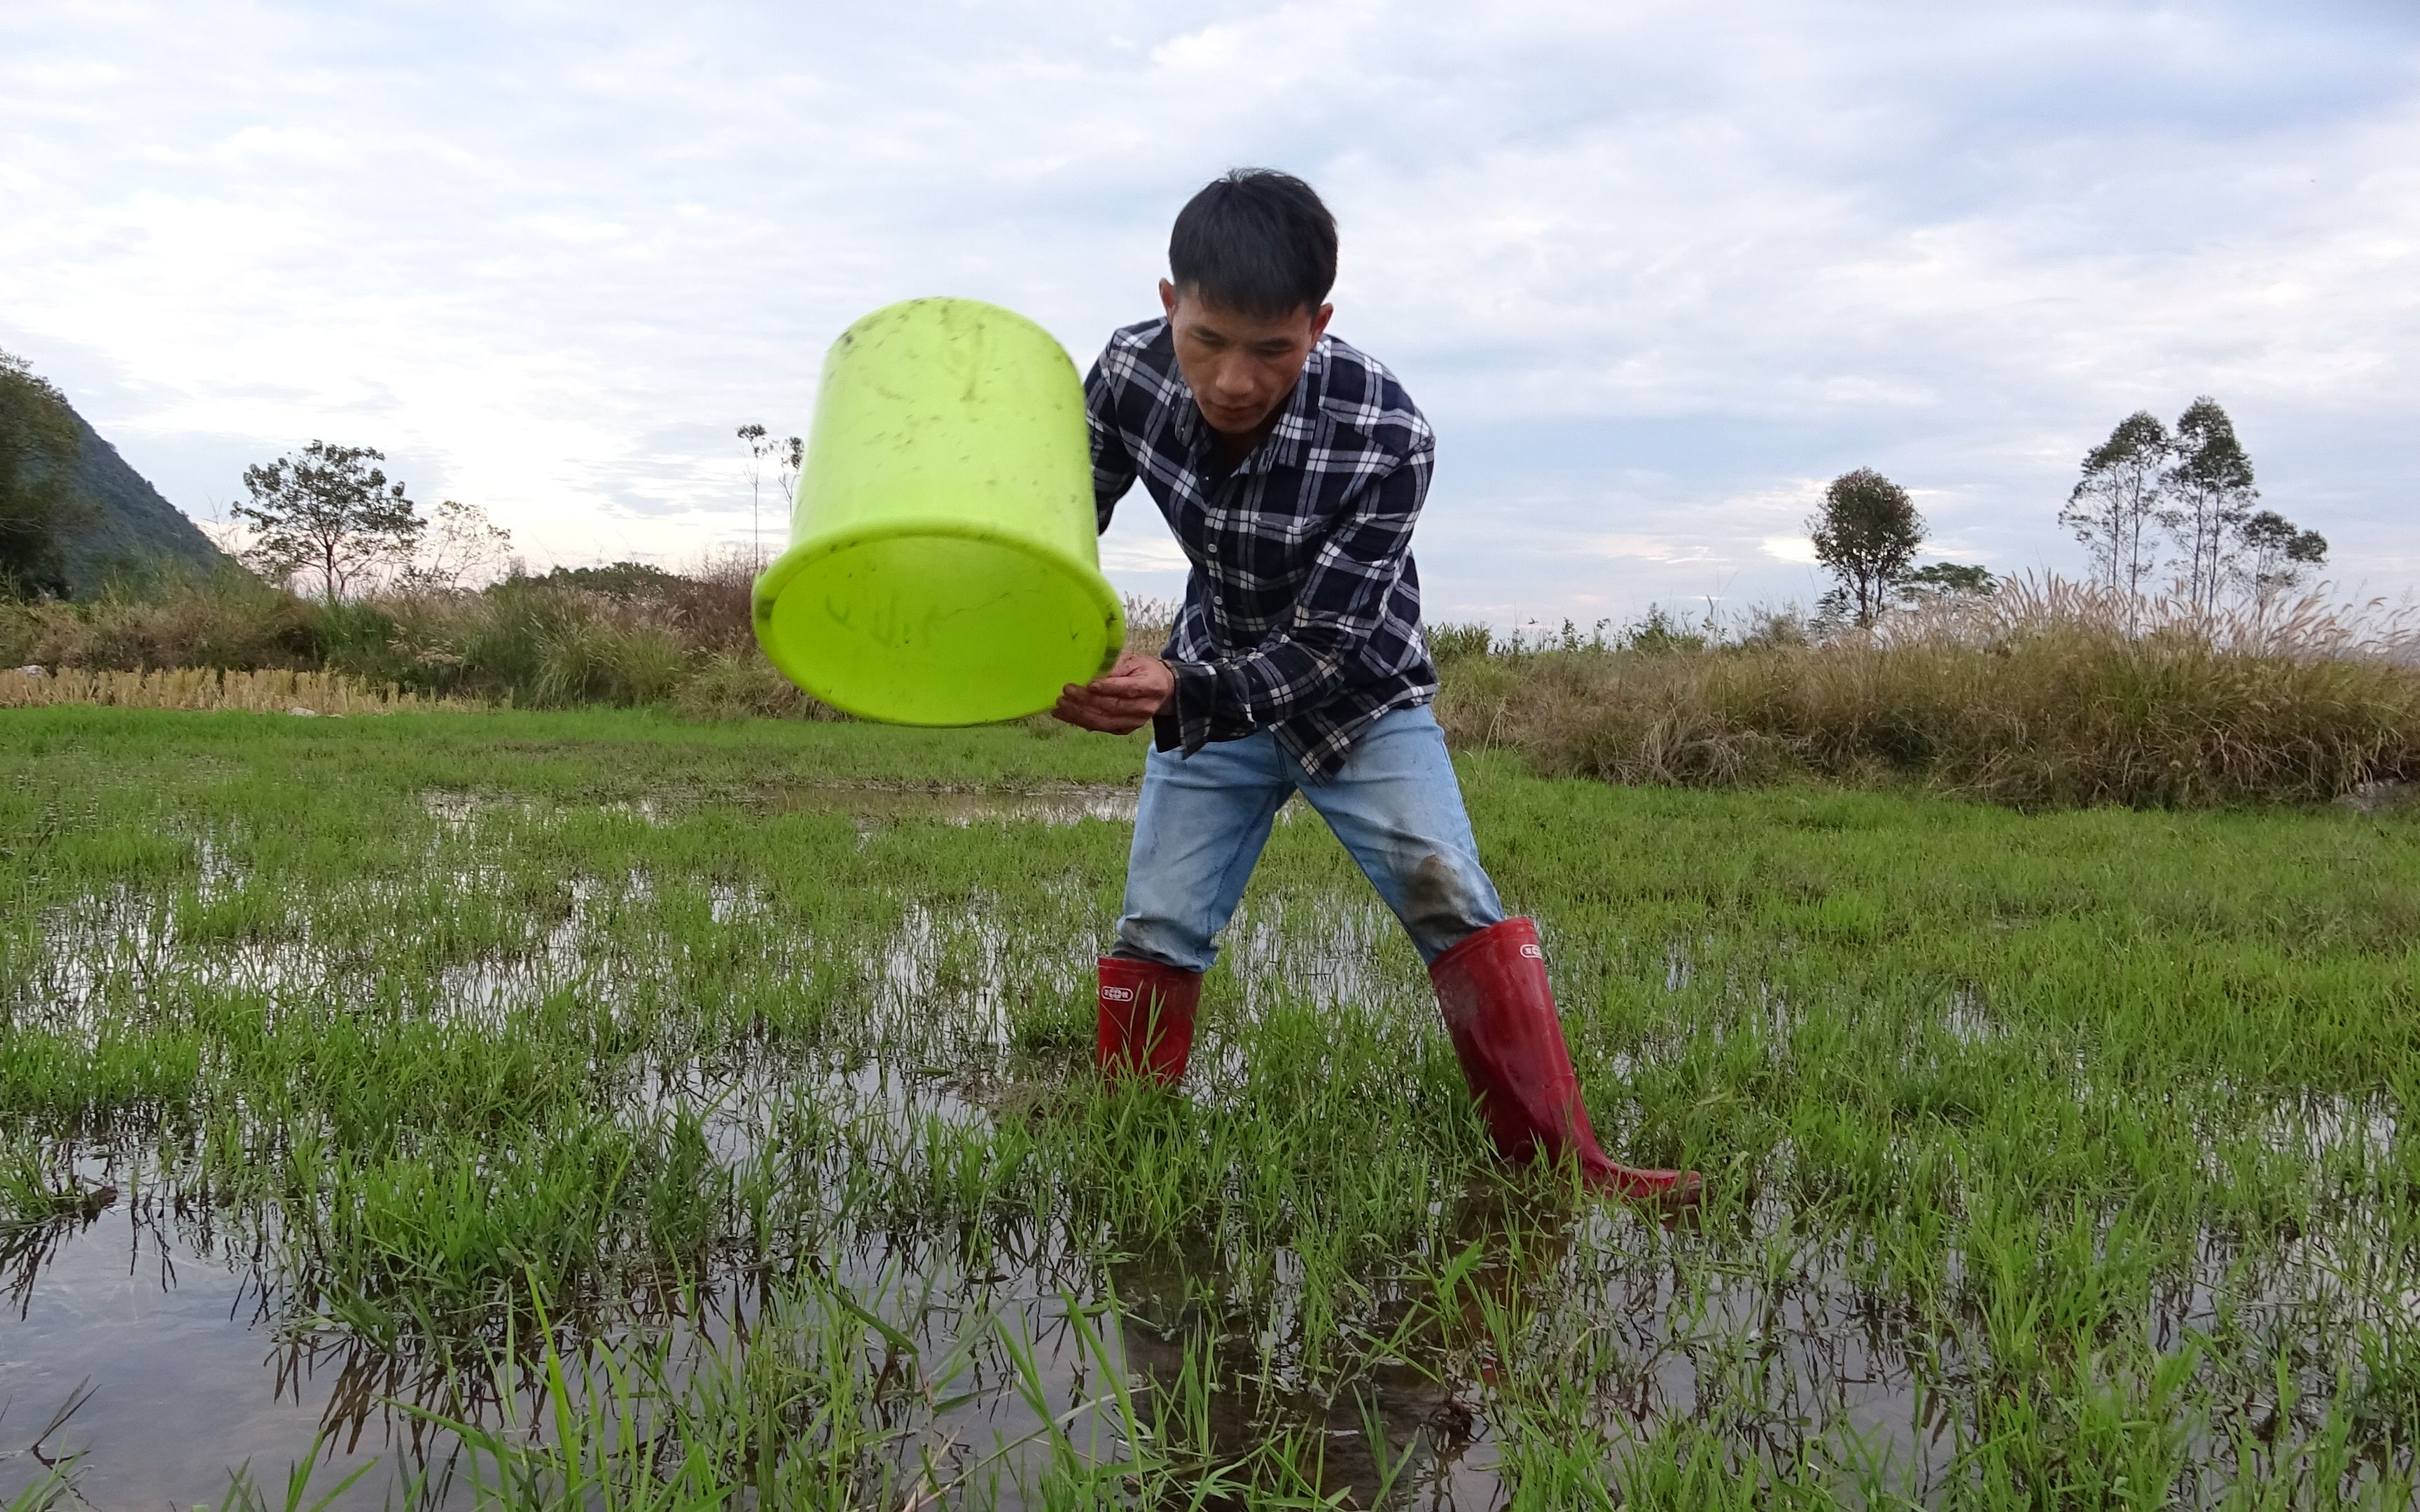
(985, 307)
(768, 586)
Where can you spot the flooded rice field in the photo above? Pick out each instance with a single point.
(562, 1131)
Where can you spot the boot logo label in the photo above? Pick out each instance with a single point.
(1533, 952)
(1117, 995)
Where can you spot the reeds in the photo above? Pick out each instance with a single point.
(2044, 694)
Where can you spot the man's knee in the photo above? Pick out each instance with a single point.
(1443, 896)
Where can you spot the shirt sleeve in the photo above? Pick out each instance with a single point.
(1340, 607)
(1114, 465)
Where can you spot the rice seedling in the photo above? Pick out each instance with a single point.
(518, 1110)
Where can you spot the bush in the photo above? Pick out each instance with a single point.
(708, 606)
(742, 685)
(1458, 643)
(225, 619)
(596, 660)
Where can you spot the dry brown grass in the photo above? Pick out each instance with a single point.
(671, 638)
(2043, 695)
(2048, 693)
(1149, 622)
(258, 692)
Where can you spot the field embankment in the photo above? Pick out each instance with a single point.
(2040, 696)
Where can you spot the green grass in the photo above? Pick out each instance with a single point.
(676, 1132)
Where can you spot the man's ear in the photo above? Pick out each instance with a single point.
(1319, 321)
(1167, 298)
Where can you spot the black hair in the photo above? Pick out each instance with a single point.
(1256, 241)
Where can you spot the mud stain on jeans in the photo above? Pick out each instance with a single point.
(1438, 905)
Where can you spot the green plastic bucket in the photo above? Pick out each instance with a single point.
(943, 565)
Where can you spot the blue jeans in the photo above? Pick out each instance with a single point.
(1204, 818)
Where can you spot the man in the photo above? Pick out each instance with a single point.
(1292, 468)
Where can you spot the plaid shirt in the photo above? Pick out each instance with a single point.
(1302, 613)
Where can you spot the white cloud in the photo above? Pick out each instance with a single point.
(1648, 548)
(1654, 273)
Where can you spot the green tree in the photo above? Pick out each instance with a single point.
(629, 580)
(787, 454)
(464, 545)
(2209, 496)
(330, 512)
(38, 506)
(2118, 498)
(2276, 554)
(1938, 581)
(1865, 535)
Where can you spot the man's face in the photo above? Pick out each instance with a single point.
(1240, 367)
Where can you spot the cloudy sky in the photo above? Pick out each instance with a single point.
(1655, 270)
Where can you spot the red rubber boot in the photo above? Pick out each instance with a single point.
(1502, 1013)
(1146, 1023)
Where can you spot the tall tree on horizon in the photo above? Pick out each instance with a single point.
(2117, 500)
(2210, 495)
(2277, 554)
(788, 454)
(1866, 534)
(39, 444)
(329, 511)
(462, 545)
(1938, 582)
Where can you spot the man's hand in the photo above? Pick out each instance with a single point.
(1123, 699)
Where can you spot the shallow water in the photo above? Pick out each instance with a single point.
(170, 1374)
(1060, 804)
(166, 1336)
(161, 1338)
(177, 1373)
(1067, 805)
(156, 1349)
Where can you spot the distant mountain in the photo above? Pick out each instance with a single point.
(133, 524)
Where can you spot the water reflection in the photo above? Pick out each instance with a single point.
(457, 811)
(1403, 1424)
